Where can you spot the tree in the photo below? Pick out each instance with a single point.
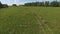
(1, 6)
(37, 4)
(34, 4)
(54, 4)
(44, 4)
(59, 4)
(14, 5)
(41, 3)
(31, 4)
(27, 4)
(5, 6)
(47, 3)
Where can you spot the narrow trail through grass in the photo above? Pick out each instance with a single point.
(41, 27)
(44, 27)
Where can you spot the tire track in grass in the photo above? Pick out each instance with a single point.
(45, 26)
(41, 27)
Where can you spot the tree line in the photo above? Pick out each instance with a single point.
(44, 4)
(5, 5)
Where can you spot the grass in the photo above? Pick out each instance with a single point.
(26, 20)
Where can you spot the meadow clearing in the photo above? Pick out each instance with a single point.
(30, 20)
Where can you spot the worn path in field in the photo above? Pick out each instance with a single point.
(44, 27)
(41, 27)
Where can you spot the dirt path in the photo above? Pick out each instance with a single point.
(41, 27)
(44, 27)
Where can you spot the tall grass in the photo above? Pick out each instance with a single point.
(24, 20)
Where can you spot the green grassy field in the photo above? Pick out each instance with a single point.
(27, 20)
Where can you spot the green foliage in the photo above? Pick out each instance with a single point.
(55, 4)
(44, 4)
(14, 5)
(47, 3)
(41, 3)
(1, 6)
(5, 5)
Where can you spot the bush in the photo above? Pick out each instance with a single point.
(14, 5)
(5, 6)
